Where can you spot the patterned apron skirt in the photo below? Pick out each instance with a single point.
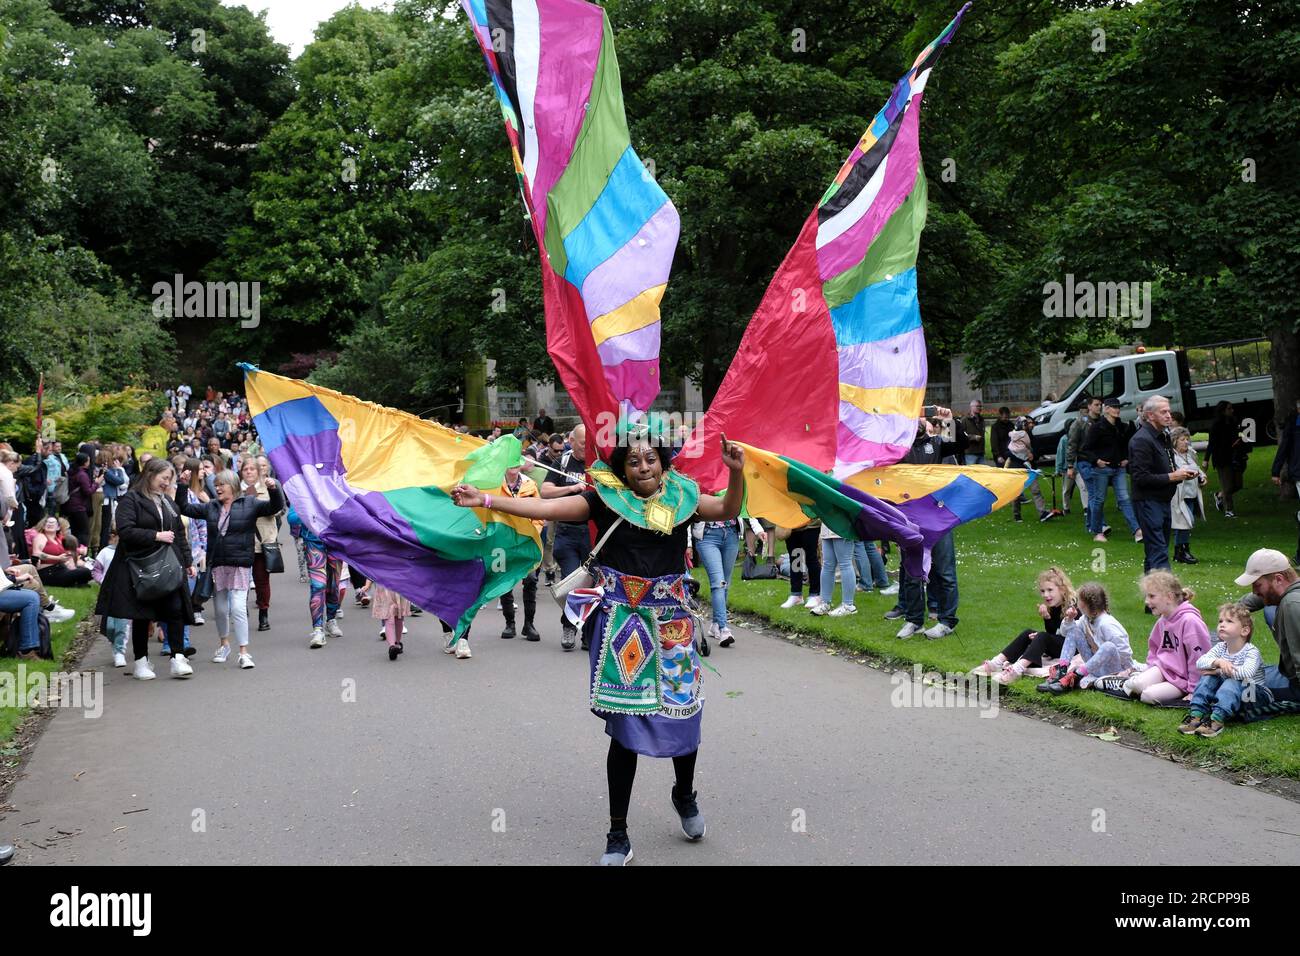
(645, 673)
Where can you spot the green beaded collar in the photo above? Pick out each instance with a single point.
(663, 512)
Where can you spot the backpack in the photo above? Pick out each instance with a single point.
(31, 478)
(14, 635)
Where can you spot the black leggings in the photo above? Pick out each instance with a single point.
(62, 576)
(79, 525)
(620, 768)
(140, 637)
(1032, 645)
(806, 540)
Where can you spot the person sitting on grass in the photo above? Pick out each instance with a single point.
(1095, 643)
(1178, 639)
(1231, 670)
(1274, 583)
(1031, 646)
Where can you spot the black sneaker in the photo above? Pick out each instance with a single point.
(692, 822)
(618, 849)
(894, 614)
(568, 637)
(1218, 501)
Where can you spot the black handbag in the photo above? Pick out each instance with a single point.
(203, 587)
(157, 574)
(274, 559)
(753, 570)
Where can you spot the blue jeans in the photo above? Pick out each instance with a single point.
(28, 608)
(717, 551)
(1217, 695)
(838, 553)
(943, 586)
(869, 565)
(974, 459)
(1276, 697)
(1098, 480)
(1155, 518)
(572, 545)
(115, 631)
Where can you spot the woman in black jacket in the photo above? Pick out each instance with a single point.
(232, 526)
(1105, 449)
(1222, 451)
(147, 520)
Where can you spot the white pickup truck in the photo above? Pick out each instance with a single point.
(1194, 380)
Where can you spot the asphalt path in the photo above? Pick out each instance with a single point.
(338, 755)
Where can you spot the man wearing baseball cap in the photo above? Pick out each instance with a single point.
(1274, 583)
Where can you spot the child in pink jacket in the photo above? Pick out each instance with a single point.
(1178, 639)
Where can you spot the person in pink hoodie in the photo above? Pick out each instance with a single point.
(1178, 639)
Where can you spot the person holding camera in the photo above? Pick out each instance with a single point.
(937, 436)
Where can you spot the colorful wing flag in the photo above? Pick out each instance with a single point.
(605, 230)
(374, 484)
(832, 368)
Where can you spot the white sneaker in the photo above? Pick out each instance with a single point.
(246, 662)
(198, 618)
(792, 601)
(891, 590)
(820, 608)
(462, 650)
(908, 630)
(332, 628)
(58, 614)
(317, 637)
(938, 631)
(222, 655)
(181, 667)
(144, 670)
(119, 659)
(844, 610)
(449, 649)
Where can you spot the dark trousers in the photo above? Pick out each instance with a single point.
(106, 521)
(62, 576)
(942, 586)
(530, 601)
(572, 545)
(140, 637)
(1032, 645)
(805, 552)
(1155, 519)
(79, 525)
(261, 581)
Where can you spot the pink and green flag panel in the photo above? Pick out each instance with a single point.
(837, 341)
(606, 231)
(374, 484)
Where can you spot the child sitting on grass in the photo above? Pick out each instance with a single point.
(1178, 639)
(1095, 643)
(1232, 669)
(1031, 646)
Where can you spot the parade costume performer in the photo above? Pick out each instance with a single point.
(645, 673)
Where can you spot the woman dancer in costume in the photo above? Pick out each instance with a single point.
(645, 673)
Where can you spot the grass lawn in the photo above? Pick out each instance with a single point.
(81, 600)
(998, 562)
